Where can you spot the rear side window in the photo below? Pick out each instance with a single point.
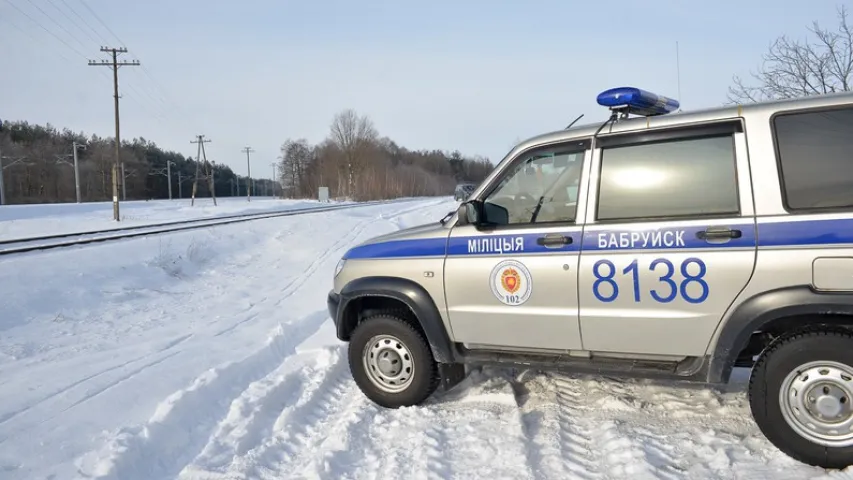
(816, 159)
(671, 179)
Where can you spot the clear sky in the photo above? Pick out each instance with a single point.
(469, 75)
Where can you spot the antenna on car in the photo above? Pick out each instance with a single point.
(573, 122)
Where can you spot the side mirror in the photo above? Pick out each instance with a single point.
(462, 215)
(469, 213)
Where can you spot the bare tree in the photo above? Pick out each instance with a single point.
(296, 157)
(793, 68)
(355, 136)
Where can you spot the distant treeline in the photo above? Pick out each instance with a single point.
(38, 168)
(356, 163)
(353, 162)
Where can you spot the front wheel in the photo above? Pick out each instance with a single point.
(391, 362)
(801, 396)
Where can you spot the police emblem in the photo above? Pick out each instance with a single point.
(511, 282)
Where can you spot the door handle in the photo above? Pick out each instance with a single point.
(554, 240)
(718, 233)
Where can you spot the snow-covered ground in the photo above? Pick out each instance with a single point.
(20, 221)
(209, 355)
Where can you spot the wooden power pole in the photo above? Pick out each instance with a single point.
(114, 64)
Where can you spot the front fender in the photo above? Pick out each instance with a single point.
(409, 293)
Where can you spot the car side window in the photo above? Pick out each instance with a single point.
(541, 188)
(668, 179)
(814, 157)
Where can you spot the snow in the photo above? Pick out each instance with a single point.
(20, 221)
(209, 354)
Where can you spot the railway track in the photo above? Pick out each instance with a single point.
(47, 242)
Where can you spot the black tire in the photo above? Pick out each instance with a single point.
(424, 379)
(771, 369)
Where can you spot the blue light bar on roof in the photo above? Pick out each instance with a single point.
(637, 101)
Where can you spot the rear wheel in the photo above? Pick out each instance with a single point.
(801, 396)
(391, 361)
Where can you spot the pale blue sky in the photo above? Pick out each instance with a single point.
(472, 75)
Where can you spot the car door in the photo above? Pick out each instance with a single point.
(513, 284)
(669, 240)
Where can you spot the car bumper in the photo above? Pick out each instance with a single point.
(333, 302)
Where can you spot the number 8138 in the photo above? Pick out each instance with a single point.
(692, 270)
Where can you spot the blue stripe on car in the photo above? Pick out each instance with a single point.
(770, 234)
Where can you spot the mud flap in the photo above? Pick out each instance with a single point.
(451, 374)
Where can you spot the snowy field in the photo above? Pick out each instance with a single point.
(209, 354)
(18, 221)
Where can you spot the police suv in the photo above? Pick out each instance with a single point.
(657, 244)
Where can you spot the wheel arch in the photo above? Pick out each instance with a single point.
(774, 313)
(367, 294)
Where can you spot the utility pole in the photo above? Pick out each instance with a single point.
(2, 182)
(74, 146)
(169, 164)
(2, 186)
(249, 175)
(200, 141)
(180, 187)
(274, 179)
(114, 65)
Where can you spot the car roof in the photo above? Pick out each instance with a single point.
(700, 116)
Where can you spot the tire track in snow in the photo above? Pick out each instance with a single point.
(385, 443)
(92, 394)
(623, 457)
(348, 447)
(55, 394)
(577, 448)
(295, 284)
(541, 428)
(300, 429)
(291, 288)
(438, 465)
(478, 434)
(183, 422)
(652, 457)
(404, 430)
(252, 415)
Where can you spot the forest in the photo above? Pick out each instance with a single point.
(353, 161)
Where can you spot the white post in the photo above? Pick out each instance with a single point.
(74, 146)
(169, 176)
(2, 186)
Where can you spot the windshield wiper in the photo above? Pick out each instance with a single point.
(447, 217)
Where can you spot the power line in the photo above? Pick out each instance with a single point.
(114, 65)
(85, 32)
(35, 38)
(103, 40)
(57, 23)
(45, 29)
(101, 21)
